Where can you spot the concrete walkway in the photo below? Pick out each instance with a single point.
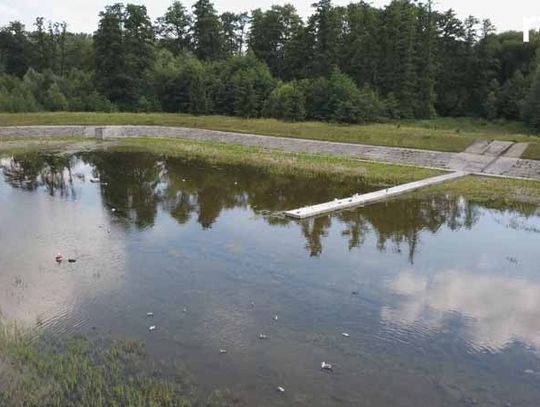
(497, 158)
(371, 197)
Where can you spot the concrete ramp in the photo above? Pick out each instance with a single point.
(371, 197)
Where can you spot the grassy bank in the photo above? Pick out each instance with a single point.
(498, 191)
(533, 152)
(443, 134)
(17, 145)
(78, 372)
(278, 162)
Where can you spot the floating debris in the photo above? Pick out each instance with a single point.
(512, 260)
(326, 366)
(252, 304)
(183, 180)
(149, 314)
(184, 310)
(235, 182)
(263, 336)
(345, 334)
(152, 328)
(354, 293)
(59, 258)
(113, 210)
(529, 371)
(222, 351)
(280, 389)
(276, 317)
(72, 260)
(98, 181)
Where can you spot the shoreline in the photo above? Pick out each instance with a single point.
(484, 190)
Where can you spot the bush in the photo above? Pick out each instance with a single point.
(531, 107)
(348, 104)
(316, 91)
(54, 100)
(286, 102)
(240, 86)
(47, 91)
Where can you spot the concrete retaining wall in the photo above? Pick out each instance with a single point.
(467, 161)
(48, 131)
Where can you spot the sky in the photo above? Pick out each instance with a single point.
(82, 15)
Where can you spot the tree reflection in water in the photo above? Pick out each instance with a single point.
(138, 184)
(35, 170)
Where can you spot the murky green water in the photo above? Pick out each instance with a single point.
(440, 298)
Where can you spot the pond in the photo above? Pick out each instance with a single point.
(439, 298)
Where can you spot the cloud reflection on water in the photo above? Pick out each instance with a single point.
(497, 310)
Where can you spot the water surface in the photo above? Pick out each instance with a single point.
(440, 297)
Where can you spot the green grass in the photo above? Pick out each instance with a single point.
(279, 162)
(18, 145)
(442, 134)
(500, 193)
(532, 152)
(79, 372)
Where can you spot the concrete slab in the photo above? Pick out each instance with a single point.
(469, 162)
(478, 147)
(527, 169)
(516, 150)
(497, 148)
(500, 166)
(365, 199)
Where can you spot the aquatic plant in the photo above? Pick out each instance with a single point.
(83, 372)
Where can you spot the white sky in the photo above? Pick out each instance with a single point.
(81, 15)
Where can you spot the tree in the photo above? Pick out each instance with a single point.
(43, 46)
(531, 107)
(360, 53)
(239, 86)
(123, 47)
(234, 26)
(491, 103)
(79, 52)
(14, 49)
(62, 44)
(138, 42)
(173, 28)
(425, 106)
(316, 91)
(325, 24)
(270, 33)
(110, 62)
(450, 68)
(297, 54)
(513, 93)
(399, 73)
(353, 64)
(207, 31)
(54, 99)
(346, 103)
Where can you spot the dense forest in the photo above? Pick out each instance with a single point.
(351, 64)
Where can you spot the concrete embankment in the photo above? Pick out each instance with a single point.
(485, 158)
